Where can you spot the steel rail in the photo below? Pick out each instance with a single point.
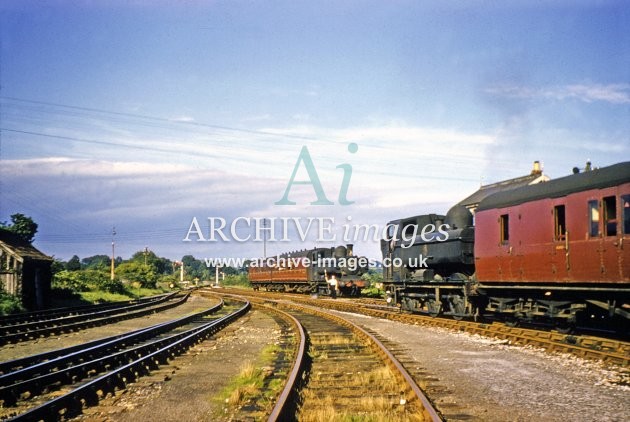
(587, 347)
(280, 410)
(19, 363)
(25, 317)
(35, 325)
(72, 403)
(91, 320)
(428, 411)
(83, 352)
(287, 397)
(36, 385)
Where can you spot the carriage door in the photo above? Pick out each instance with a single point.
(561, 247)
(610, 240)
(624, 241)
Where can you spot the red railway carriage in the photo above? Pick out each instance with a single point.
(307, 271)
(567, 238)
(554, 252)
(295, 272)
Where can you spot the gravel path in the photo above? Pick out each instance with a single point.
(476, 378)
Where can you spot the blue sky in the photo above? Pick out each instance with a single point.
(145, 115)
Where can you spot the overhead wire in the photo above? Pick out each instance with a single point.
(223, 139)
(266, 136)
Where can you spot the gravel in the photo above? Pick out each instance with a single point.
(13, 351)
(476, 378)
(187, 388)
(468, 377)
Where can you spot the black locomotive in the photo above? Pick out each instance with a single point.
(426, 271)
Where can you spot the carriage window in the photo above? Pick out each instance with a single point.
(559, 222)
(504, 222)
(610, 215)
(625, 204)
(593, 216)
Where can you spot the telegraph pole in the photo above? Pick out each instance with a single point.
(264, 238)
(113, 252)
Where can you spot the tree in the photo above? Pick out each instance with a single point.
(132, 271)
(23, 226)
(87, 280)
(195, 268)
(74, 264)
(101, 262)
(159, 265)
(57, 266)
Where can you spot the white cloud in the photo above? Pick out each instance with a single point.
(257, 118)
(183, 119)
(611, 93)
(167, 176)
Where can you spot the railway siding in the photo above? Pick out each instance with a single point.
(48, 327)
(119, 368)
(588, 347)
(350, 374)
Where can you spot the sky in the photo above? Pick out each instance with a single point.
(148, 117)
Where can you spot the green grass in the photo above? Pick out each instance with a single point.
(99, 296)
(268, 354)
(238, 280)
(249, 384)
(246, 385)
(142, 292)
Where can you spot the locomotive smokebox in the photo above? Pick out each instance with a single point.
(340, 252)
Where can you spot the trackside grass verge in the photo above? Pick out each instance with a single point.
(256, 386)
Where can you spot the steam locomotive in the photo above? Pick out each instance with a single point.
(557, 251)
(308, 271)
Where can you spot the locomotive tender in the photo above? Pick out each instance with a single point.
(557, 251)
(307, 271)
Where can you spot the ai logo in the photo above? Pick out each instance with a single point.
(313, 179)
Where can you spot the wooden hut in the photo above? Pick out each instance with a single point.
(25, 272)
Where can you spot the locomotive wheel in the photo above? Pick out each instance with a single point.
(433, 307)
(564, 327)
(458, 307)
(511, 321)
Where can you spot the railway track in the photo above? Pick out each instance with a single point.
(589, 347)
(342, 372)
(52, 324)
(58, 387)
(48, 314)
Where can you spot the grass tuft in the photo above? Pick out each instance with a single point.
(249, 384)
